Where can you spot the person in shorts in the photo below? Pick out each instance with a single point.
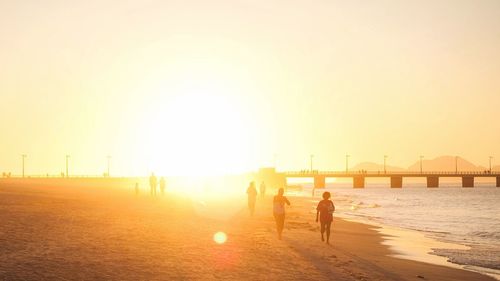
(279, 202)
(324, 212)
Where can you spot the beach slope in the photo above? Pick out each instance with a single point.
(79, 233)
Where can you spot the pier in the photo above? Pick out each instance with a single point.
(358, 178)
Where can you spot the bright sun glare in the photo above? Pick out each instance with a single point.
(199, 126)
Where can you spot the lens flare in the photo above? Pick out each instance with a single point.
(220, 237)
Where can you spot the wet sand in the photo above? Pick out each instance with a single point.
(81, 233)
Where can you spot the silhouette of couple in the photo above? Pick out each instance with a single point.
(153, 183)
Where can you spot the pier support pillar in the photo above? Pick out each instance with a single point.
(432, 181)
(467, 181)
(319, 182)
(358, 182)
(396, 182)
(498, 181)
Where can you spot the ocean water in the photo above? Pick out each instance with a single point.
(450, 213)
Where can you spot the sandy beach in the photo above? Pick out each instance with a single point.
(81, 233)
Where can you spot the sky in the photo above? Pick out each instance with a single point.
(201, 87)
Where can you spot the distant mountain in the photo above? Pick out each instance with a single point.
(370, 166)
(442, 163)
(446, 163)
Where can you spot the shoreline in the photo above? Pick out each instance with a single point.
(422, 251)
(428, 248)
(107, 233)
(395, 249)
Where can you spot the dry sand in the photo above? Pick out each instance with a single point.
(80, 233)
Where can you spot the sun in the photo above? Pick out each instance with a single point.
(208, 134)
(200, 126)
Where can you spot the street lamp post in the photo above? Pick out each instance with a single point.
(456, 164)
(24, 157)
(347, 163)
(491, 157)
(311, 159)
(421, 157)
(385, 160)
(67, 169)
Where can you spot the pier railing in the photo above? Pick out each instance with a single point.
(391, 173)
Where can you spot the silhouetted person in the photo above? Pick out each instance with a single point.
(262, 189)
(325, 211)
(162, 185)
(136, 188)
(252, 197)
(279, 211)
(153, 182)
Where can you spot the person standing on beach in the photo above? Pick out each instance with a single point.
(262, 189)
(279, 210)
(162, 185)
(153, 182)
(325, 211)
(136, 189)
(252, 197)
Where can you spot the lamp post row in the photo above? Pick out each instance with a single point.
(24, 156)
(385, 163)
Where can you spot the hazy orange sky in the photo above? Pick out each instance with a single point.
(222, 86)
